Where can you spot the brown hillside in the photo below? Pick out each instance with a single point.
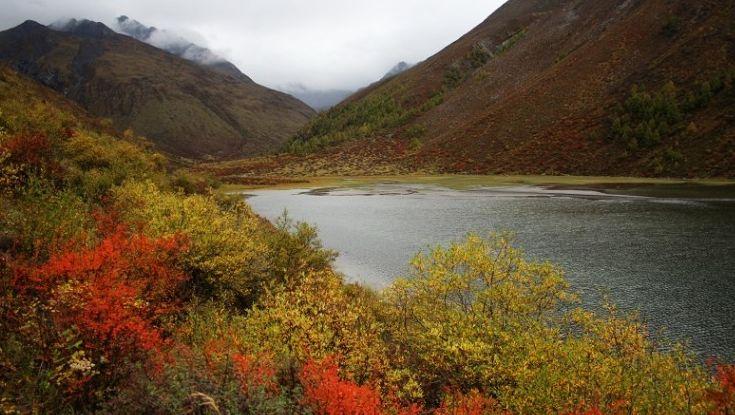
(183, 108)
(535, 89)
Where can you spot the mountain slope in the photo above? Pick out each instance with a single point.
(185, 109)
(538, 87)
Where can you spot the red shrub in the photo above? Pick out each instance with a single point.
(723, 398)
(256, 373)
(30, 149)
(591, 411)
(113, 293)
(30, 152)
(467, 404)
(326, 394)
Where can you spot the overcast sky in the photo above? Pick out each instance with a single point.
(322, 44)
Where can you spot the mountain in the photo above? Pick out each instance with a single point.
(322, 100)
(607, 87)
(177, 45)
(319, 99)
(184, 108)
(400, 67)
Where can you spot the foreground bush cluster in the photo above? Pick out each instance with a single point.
(126, 289)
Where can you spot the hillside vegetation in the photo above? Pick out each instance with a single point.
(547, 87)
(128, 288)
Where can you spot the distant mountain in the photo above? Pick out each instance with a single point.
(604, 87)
(185, 108)
(322, 100)
(318, 99)
(400, 67)
(177, 45)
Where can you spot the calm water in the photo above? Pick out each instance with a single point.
(673, 259)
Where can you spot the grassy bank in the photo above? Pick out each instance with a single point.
(631, 185)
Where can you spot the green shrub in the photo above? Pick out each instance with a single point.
(353, 120)
(672, 26)
(415, 131)
(645, 118)
(453, 77)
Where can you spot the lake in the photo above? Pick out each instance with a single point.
(666, 252)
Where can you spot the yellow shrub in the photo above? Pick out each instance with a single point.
(227, 257)
(94, 163)
(313, 316)
(477, 315)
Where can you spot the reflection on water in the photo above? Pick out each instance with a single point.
(673, 259)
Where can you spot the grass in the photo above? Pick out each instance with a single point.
(469, 181)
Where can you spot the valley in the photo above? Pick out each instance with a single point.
(254, 210)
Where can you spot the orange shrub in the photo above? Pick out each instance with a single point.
(326, 394)
(472, 403)
(723, 398)
(113, 293)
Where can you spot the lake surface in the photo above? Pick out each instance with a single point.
(671, 258)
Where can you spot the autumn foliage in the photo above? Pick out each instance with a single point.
(326, 394)
(256, 372)
(171, 301)
(723, 395)
(113, 293)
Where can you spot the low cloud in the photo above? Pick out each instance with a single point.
(322, 44)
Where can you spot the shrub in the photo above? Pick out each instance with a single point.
(313, 316)
(96, 163)
(206, 369)
(295, 249)
(227, 256)
(415, 131)
(477, 315)
(190, 182)
(40, 219)
(112, 293)
(326, 394)
(645, 119)
(452, 77)
(672, 26)
(723, 395)
(472, 403)
(358, 119)
(75, 320)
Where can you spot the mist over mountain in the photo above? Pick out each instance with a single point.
(176, 44)
(319, 99)
(322, 100)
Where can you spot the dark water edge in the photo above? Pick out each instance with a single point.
(667, 252)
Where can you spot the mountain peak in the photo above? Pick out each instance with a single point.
(85, 28)
(29, 26)
(401, 66)
(134, 28)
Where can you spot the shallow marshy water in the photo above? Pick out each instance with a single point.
(668, 252)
